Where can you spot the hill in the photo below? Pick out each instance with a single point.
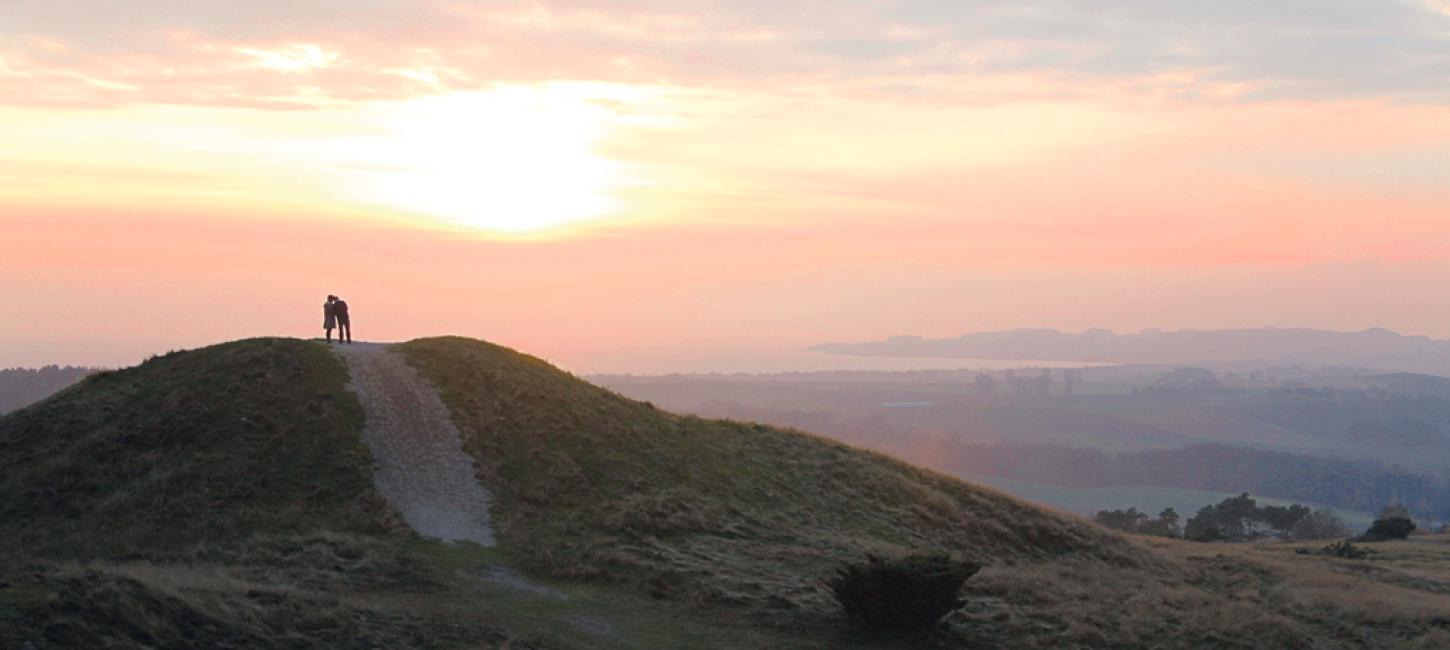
(221, 497)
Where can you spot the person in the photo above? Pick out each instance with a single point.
(344, 323)
(329, 317)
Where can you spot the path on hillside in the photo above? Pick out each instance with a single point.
(420, 466)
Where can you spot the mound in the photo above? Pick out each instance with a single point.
(230, 442)
(224, 497)
(591, 484)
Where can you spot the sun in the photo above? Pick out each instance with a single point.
(510, 160)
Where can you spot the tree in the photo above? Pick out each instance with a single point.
(1236, 519)
(1323, 523)
(1129, 520)
(1133, 521)
(1203, 527)
(1166, 525)
(1281, 518)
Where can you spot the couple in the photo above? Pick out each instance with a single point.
(334, 314)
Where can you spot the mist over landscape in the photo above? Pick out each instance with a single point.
(727, 325)
(1375, 348)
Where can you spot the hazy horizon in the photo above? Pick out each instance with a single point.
(831, 356)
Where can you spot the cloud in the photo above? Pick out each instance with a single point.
(299, 53)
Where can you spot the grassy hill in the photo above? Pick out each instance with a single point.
(591, 485)
(221, 497)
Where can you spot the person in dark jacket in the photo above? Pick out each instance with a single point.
(329, 317)
(344, 322)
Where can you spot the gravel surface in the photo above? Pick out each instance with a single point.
(419, 463)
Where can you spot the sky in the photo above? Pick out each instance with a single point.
(651, 186)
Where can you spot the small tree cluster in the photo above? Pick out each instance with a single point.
(884, 595)
(1133, 521)
(1239, 519)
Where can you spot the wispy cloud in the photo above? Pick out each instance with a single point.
(301, 52)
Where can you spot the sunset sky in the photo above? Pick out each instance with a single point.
(633, 186)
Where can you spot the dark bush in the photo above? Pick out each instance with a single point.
(1389, 528)
(1345, 549)
(898, 595)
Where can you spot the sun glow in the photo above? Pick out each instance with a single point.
(513, 160)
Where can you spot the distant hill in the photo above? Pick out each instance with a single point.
(221, 498)
(1374, 348)
(21, 387)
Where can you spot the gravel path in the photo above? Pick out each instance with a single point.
(419, 463)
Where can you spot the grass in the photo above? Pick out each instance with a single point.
(225, 443)
(221, 498)
(591, 485)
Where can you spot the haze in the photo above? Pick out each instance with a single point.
(633, 187)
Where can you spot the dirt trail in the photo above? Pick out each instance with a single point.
(420, 466)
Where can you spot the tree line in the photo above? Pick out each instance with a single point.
(1353, 485)
(1235, 519)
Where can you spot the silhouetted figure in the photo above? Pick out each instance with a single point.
(329, 317)
(344, 324)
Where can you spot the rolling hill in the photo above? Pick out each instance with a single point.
(222, 498)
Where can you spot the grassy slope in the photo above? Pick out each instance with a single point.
(736, 518)
(228, 495)
(246, 438)
(216, 497)
(590, 484)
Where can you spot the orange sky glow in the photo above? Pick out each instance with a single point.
(636, 187)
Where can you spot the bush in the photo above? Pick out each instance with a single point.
(1345, 549)
(897, 595)
(1395, 527)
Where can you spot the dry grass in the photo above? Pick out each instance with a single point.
(588, 484)
(748, 518)
(651, 530)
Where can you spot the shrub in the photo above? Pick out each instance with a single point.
(1345, 549)
(1395, 527)
(898, 595)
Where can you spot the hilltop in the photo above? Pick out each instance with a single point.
(222, 496)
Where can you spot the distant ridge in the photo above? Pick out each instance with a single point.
(1376, 348)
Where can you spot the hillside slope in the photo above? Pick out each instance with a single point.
(590, 484)
(735, 517)
(231, 441)
(223, 497)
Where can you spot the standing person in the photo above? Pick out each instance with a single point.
(329, 317)
(344, 324)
